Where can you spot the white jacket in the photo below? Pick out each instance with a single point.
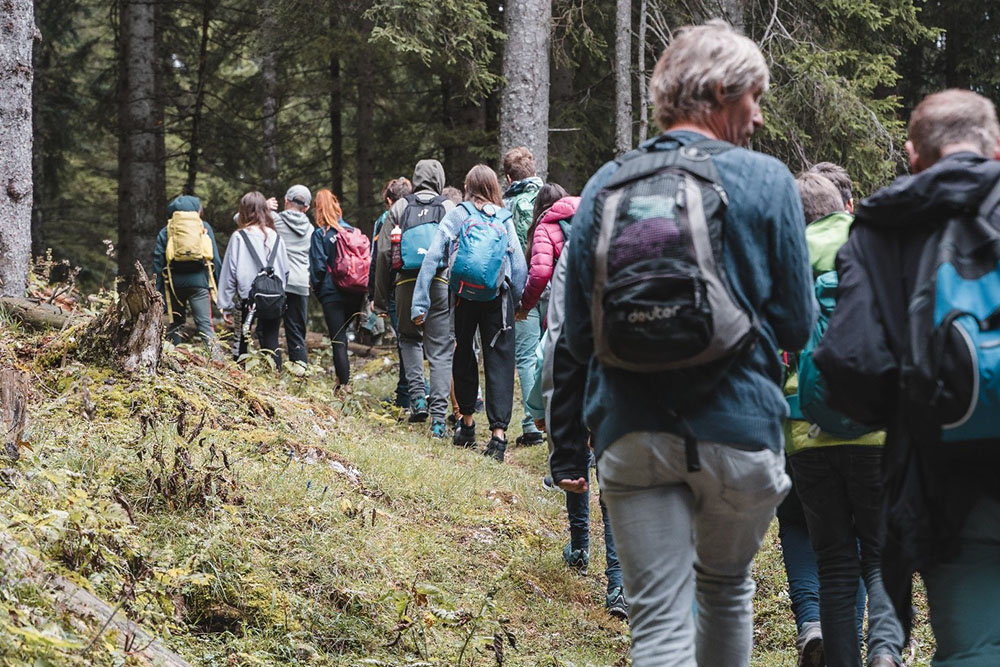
(239, 268)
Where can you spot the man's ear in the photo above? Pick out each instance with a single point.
(913, 156)
(996, 151)
(850, 205)
(509, 179)
(305, 209)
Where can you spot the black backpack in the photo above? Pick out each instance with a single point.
(267, 291)
(418, 223)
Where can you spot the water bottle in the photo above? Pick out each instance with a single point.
(396, 237)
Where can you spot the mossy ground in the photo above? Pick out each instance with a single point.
(253, 521)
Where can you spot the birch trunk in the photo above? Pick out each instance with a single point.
(524, 107)
(623, 77)
(17, 17)
(142, 190)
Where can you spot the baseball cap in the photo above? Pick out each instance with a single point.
(299, 194)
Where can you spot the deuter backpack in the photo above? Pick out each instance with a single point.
(267, 291)
(952, 367)
(812, 393)
(353, 260)
(479, 254)
(419, 222)
(661, 299)
(189, 250)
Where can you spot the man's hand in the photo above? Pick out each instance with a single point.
(521, 314)
(578, 485)
(419, 320)
(272, 204)
(227, 318)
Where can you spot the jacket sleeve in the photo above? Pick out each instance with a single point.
(518, 267)
(160, 259)
(569, 456)
(445, 233)
(216, 258)
(317, 261)
(283, 261)
(791, 309)
(541, 267)
(855, 357)
(383, 258)
(227, 276)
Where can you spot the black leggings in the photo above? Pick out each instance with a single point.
(267, 336)
(497, 333)
(338, 315)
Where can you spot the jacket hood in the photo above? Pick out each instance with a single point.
(955, 184)
(563, 209)
(428, 175)
(525, 185)
(297, 222)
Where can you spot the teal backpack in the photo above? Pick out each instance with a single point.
(811, 399)
(479, 256)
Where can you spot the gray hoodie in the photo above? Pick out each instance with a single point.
(296, 231)
(428, 181)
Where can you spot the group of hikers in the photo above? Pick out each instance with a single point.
(724, 341)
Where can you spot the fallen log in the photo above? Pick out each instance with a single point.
(34, 313)
(131, 637)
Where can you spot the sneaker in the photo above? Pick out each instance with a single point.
(882, 660)
(465, 436)
(530, 438)
(810, 645)
(418, 411)
(549, 484)
(616, 603)
(452, 420)
(577, 559)
(439, 430)
(496, 448)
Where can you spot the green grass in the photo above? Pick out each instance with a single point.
(299, 527)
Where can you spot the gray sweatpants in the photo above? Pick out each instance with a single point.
(684, 534)
(435, 342)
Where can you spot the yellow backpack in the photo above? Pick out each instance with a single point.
(190, 246)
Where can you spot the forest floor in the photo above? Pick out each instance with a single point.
(251, 521)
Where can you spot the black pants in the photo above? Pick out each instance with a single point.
(339, 314)
(267, 336)
(496, 330)
(296, 312)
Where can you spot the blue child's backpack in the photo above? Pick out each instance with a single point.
(479, 255)
(952, 369)
(418, 223)
(812, 389)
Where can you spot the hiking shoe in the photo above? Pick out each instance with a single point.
(465, 436)
(530, 438)
(439, 430)
(496, 448)
(616, 603)
(882, 660)
(577, 559)
(418, 411)
(452, 420)
(810, 645)
(549, 484)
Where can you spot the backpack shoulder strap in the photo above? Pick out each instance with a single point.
(253, 251)
(991, 201)
(274, 250)
(470, 208)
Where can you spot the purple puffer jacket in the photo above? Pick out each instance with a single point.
(546, 246)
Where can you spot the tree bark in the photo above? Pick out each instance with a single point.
(194, 146)
(34, 313)
(524, 107)
(623, 78)
(136, 328)
(364, 140)
(42, 58)
(643, 84)
(465, 126)
(336, 128)
(14, 390)
(17, 19)
(142, 191)
(733, 11)
(269, 95)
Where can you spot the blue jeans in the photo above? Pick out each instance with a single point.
(578, 509)
(964, 593)
(841, 491)
(527, 333)
(402, 389)
(800, 563)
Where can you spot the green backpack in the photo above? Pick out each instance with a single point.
(522, 207)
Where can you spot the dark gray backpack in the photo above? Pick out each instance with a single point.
(661, 297)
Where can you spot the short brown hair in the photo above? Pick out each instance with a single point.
(397, 188)
(482, 183)
(951, 117)
(819, 195)
(836, 175)
(519, 164)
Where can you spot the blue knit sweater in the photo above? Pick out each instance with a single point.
(768, 267)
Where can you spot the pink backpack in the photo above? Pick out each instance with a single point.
(354, 257)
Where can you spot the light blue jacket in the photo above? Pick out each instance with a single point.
(447, 232)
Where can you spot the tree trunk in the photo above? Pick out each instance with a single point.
(34, 313)
(14, 389)
(17, 18)
(364, 140)
(269, 95)
(194, 147)
(733, 11)
(336, 128)
(39, 176)
(623, 78)
(524, 108)
(464, 126)
(129, 335)
(643, 84)
(562, 168)
(142, 190)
